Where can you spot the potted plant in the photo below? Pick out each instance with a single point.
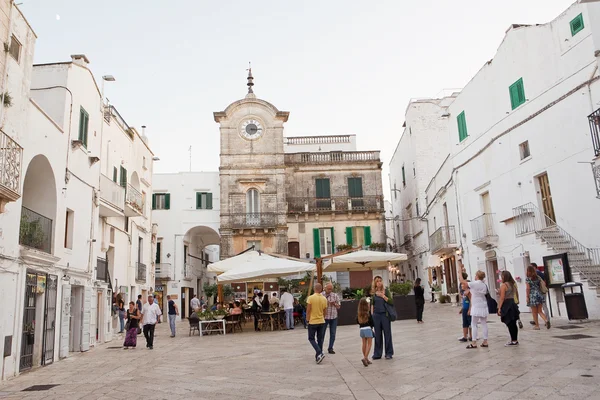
(453, 293)
(437, 291)
(219, 314)
(404, 300)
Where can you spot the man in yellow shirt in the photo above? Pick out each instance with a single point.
(316, 304)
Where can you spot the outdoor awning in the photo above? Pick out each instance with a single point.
(364, 260)
(253, 266)
(434, 261)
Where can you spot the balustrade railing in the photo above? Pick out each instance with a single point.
(11, 155)
(332, 157)
(35, 230)
(317, 139)
(253, 220)
(336, 203)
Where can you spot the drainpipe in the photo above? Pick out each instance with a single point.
(464, 248)
(4, 72)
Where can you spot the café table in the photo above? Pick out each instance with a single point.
(213, 326)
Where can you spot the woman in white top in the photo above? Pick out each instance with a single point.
(479, 308)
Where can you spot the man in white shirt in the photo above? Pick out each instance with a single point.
(150, 313)
(287, 303)
(195, 303)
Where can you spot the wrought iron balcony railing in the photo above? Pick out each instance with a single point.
(134, 199)
(253, 220)
(594, 120)
(337, 203)
(35, 231)
(140, 272)
(482, 228)
(11, 155)
(443, 238)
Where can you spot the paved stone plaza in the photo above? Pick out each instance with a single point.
(429, 364)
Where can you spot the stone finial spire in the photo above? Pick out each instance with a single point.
(250, 78)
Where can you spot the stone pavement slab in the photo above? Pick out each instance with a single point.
(429, 363)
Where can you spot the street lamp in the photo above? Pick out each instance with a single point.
(106, 78)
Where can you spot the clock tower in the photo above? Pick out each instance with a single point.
(252, 176)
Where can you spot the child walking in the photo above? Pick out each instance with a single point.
(365, 322)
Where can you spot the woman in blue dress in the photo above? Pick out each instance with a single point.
(535, 297)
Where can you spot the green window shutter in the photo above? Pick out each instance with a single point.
(517, 93)
(355, 187)
(154, 201)
(323, 190)
(367, 235)
(167, 201)
(115, 174)
(316, 243)
(462, 126)
(209, 201)
(349, 235)
(85, 130)
(123, 179)
(577, 25)
(158, 244)
(198, 200)
(332, 242)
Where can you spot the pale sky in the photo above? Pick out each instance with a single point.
(338, 66)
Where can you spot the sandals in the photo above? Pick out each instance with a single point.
(484, 345)
(365, 362)
(472, 346)
(536, 328)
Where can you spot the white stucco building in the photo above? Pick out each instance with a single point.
(516, 186)
(186, 210)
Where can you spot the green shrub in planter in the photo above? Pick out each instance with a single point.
(401, 289)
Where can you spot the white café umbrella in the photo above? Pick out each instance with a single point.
(364, 260)
(254, 265)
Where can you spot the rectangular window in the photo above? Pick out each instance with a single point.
(203, 201)
(256, 243)
(355, 236)
(15, 48)
(158, 250)
(462, 126)
(323, 194)
(403, 176)
(517, 93)
(524, 150)
(123, 177)
(69, 226)
(577, 25)
(140, 249)
(115, 174)
(355, 188)
(326, 241)
(84, 120)
(161, 201)
(185, 253)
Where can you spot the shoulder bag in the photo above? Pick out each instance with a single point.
(492, 304)
(390, 310)
(543, 286)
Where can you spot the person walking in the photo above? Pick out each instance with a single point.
(540, 273)
(138, 303)
(479, 308)
(331, 314)
(150, 313)
(195, 303)
(287, 303)
(381, 299)
(173, 313)
(133, 322)
(365, 323)
(122, 315)
(535, 297)
(316, 304)
(507, 308)
(419, 299)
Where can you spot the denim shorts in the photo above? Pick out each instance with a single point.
(466, 318)
(366, 332)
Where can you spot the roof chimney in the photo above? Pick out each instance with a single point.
(80, 59)
(144, 137)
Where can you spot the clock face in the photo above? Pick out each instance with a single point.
(251, 129)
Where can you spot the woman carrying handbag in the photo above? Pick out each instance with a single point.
(382, 309)
(479, 306)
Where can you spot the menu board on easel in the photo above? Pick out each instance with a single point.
(557, 270)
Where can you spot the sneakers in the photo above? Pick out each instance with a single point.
(463, 339)
(388, 357)
(510, 344)
(548, 324)
(520, 324)
(320, 358)
(330, 351)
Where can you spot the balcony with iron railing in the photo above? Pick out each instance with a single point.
(11, 155)
(443, 240)
(483, 231)
(332, 157)
(112, 196)
(251, 220)
(102, 270)
(594, 121)
(134, 202)
(334, 204)
(163, 271)
(140, 272)
(189, 271)
(35, 231)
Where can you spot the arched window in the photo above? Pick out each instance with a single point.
(252, 202)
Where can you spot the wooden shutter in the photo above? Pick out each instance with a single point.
(323, 190)
(367, 235)
(517, 93)
(332, 242)
(198, 200)
(316, 243)
(349, 235)
(154, 201)
(167, 201)
(85, 130)
(355, 187)
(462, 126)
(115, 174)
(123, 180)
(209, 205)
